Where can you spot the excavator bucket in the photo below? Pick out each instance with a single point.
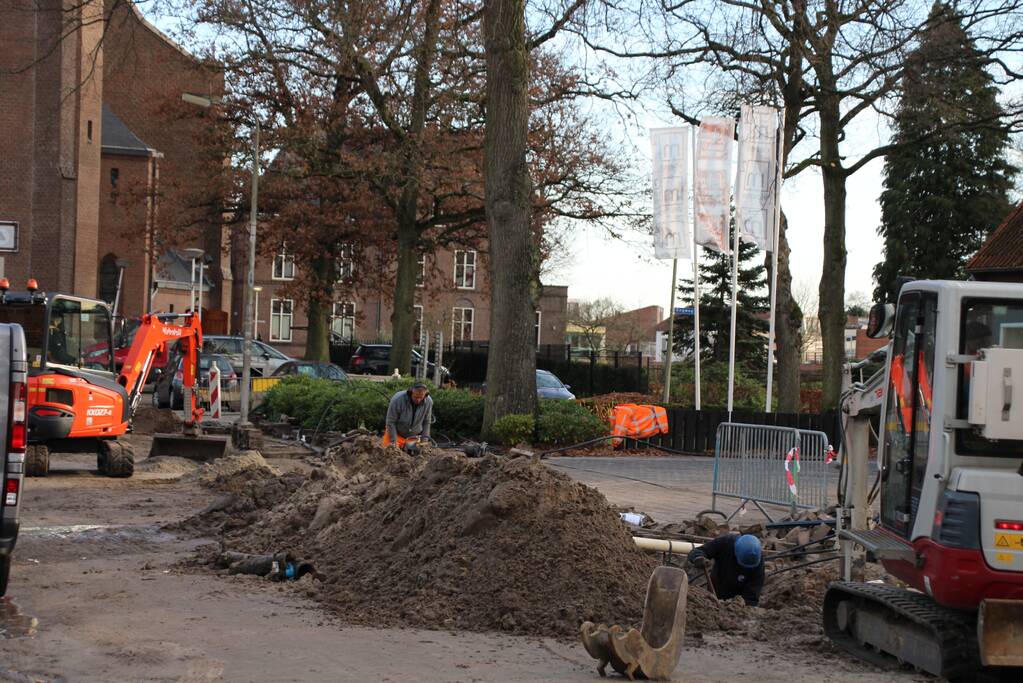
(653, 651)
(1000, 632)
(193, 447)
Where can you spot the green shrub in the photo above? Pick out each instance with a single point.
(513, 429)
(749, 388)
(457, 411)
(567, 422)
(342, 406)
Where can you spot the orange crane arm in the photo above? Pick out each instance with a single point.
(154, 332)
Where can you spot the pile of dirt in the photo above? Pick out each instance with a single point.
(151, 420)
(167, 464)
(447, 541)
(232, 472)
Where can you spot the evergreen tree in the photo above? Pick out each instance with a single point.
(751, 326)
(942, 195)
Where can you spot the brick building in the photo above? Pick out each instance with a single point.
(1000, 258)
(452, 296)
(95, 157)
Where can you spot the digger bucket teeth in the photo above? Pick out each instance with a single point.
(203, 448)
(653, 651)
(1000, 632)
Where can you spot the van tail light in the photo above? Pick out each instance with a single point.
(11, 492)
(17, 429)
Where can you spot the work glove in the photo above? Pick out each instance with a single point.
(699, 562)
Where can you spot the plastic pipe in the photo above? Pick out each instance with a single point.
(660, 545)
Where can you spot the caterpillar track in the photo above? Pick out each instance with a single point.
(889, 626)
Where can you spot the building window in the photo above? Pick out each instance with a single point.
(536, 325)
(115, 176)
(417, 329)
(342, 320)
(345, 263)
(421, 270)
(465, 269)
(284, 265)
(461, 324)
(88, 130)
(281, 317)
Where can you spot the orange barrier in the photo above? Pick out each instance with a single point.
(637, 421)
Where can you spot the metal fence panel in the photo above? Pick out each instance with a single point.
(758, 464)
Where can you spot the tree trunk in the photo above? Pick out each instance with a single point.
(402, 317)
(514, 252)
(788, 329)
(832, 285)
(317, 340)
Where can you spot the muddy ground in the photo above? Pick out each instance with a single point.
(103, 592)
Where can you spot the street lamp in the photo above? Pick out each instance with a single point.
(255, 318)
(250, 277)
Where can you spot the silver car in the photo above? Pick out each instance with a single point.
(265, 358)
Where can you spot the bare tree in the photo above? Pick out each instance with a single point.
(592, 319)
(514, 249)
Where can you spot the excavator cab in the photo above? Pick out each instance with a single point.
(950, 486)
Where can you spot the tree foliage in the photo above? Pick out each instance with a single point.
(751, 324)
(946, 182)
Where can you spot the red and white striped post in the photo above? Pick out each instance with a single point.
(214, 391)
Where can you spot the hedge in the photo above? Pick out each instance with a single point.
(342, 406)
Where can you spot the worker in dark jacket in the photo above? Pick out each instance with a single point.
(408, 416)
(738, 566)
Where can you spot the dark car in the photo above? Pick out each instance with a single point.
(169, 391)
(548, 386)
(310, 368)
(375, 359)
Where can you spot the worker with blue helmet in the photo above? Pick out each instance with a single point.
(738, 566)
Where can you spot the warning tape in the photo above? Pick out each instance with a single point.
(792, 469)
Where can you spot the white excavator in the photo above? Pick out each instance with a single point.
(948, 410)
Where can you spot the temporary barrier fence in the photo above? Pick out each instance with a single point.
(763, 464)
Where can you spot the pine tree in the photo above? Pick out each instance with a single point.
(944, 194)
(751, 325)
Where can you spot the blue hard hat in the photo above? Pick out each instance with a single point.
(747, 551)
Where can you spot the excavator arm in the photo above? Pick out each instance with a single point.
(154, 332)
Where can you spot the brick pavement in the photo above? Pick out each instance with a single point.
(666, 488)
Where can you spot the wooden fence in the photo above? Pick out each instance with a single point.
(694, 431)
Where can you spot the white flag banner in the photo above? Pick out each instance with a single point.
(671, 192)
(755, 183)
(712, 184)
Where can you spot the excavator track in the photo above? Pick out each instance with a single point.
(889, 626)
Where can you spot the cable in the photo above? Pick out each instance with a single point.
(804, 564)
(645, 442)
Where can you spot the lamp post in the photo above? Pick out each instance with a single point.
(250, 276)
(255, 317)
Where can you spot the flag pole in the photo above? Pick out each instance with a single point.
(731, 338)
(666, 393)
(696, 287)
(779, 143)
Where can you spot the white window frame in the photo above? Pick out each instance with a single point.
(345, 312)
(284, 266)
(417, 311)
(458, 322)
(539, 317)
(465, 273)
(345, 263)
(277, 319)
(421, 270)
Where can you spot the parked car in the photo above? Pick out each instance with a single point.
(548, 386)
(311, 368)
(375, 359)
(169, 392)
(265, 358)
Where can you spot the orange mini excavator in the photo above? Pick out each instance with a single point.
(76, 401)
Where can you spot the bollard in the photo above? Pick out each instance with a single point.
(214, 391)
